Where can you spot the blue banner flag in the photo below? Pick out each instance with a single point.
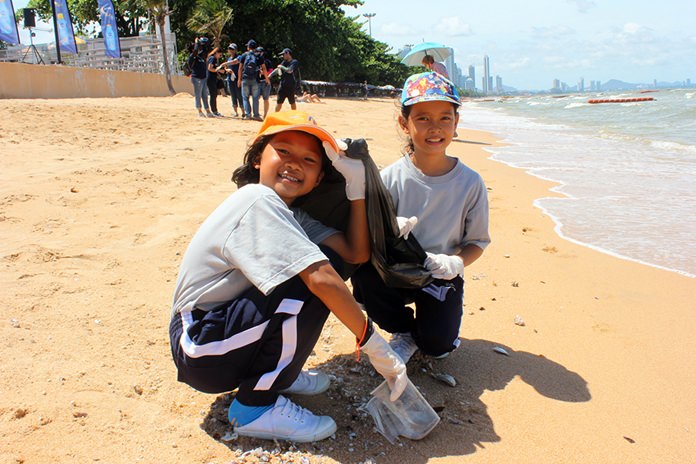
(63, 24)
(107, 15)
(8, 23)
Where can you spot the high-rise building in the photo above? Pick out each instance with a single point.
(581, 84)
(451, 66)
(556, 85)
(499, 85)
(487, 79)
(472, 75)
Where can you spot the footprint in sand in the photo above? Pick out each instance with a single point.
(139, 239)
(9, 219)
(21, 198)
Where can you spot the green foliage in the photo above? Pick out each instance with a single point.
(129, 15)
(210, 17)
(329, 45)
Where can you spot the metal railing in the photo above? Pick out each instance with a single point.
(138, 54)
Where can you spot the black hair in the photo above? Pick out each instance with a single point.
(408, 147)
(247, 173)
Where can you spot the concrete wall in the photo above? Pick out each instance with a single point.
(19, 80)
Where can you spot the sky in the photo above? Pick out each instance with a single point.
(531, 43)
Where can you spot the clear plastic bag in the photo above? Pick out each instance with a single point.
(410, 416)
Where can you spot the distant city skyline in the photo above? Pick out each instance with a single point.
(532, 43)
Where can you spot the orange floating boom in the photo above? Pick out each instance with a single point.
(622, 100)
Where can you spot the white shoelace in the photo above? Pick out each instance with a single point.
(294, 412)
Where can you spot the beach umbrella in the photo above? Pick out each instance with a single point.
(437, 50)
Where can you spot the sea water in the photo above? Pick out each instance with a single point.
(627, 171)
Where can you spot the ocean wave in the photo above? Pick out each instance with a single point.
(673, 146)
(599, 159)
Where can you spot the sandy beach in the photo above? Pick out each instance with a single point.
(98, 201)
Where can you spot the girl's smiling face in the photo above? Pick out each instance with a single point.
(431, 126)
(291, 164)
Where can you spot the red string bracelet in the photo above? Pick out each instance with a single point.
(360, 341)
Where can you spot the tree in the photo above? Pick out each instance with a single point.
(129, 15)
(159, 10)
(329, 45)
(211, 17)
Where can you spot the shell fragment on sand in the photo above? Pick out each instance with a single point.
(444, 378)
(500, 350)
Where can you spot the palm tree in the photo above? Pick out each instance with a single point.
(210, 17)
(159, 10)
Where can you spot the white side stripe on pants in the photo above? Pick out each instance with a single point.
(247, 337)
(220, 347)
(292, 307)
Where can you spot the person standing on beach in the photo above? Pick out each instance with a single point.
(445, 205)
(259, 278)
(231, 68)
(288, 83)
(430, 63)
(249, 67)
(199, 74)
(212, 79)
(264, 80)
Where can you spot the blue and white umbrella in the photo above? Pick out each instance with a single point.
(437, 50)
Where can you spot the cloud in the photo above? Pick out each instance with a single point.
(397, 29)
(554, 32)
(453, 26)
(564, 62)
(583, 6)
(633, 28)
(633, 34)
(519, 63)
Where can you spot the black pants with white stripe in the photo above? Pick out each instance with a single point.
(437, 318)
(257, 343)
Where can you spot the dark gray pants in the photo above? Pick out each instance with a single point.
(257, 343)
(434, 324)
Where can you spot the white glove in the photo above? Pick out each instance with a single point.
(352, 170)
(445, 267)
(406, 225)
(387, 363)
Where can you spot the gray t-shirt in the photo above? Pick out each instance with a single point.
(452, 209)
(252, 238)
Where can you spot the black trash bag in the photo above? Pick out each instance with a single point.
(398, 261)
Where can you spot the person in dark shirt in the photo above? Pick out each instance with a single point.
(231, 68)
(247, 80)
(196, 62)
(264, 84)
(288, 71)
(212, 79)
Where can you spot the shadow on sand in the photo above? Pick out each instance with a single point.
(465, 424)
